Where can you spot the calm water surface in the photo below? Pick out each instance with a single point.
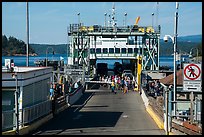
(21, 60)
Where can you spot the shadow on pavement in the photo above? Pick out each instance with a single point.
(72, 118)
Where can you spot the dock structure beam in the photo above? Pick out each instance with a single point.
(150, 52)
(79, 47)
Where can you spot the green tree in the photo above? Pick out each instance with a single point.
(4, 41)
(4, 45)
(12, 46)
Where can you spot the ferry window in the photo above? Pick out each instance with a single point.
(98, 50)
(140, 50)
(111, 50)
(135, 50)
(131, 40)
(117, 50)
(105, 50)
(130, 50)
(92, 50)
(123, 50)
(139, 40)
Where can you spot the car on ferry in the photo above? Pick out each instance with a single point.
(128, 73)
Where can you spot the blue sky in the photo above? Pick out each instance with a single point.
(48, 21)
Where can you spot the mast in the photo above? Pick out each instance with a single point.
(114, 24)
(157, 16)
(27, 29)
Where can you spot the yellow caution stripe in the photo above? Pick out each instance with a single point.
(158, 120)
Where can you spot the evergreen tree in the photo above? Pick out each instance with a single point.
(12, 46)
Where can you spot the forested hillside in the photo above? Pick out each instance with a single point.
(42, 48)
(182, 47)
(12, 46)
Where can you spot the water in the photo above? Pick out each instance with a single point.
(21, 60)
(169, 60)
(109, 62)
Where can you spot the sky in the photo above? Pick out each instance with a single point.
(49, 21)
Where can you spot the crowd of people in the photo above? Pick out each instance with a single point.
(154, 88)
(69, 86)
(57, 90)
(117, 82)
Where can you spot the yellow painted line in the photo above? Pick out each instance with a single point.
(10, 132)
(170, 133)
(158, 121)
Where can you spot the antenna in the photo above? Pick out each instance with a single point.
(113, 15)
(157, 16)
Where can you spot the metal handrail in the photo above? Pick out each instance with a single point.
(98, 28)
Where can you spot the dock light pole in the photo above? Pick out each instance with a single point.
(79, 18)
(109, 23)
(46, 53)
(14, 75)
(105, 14)
(152, 19)
(174, 40)
(166, 110)
(27, 29)
(125, 19)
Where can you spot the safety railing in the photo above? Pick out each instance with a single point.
(75, 28)
(72, 97)
(198, 110)
(36, 111)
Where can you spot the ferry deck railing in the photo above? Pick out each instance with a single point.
(75, 28)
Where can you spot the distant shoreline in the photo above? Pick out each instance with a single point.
(33, 54)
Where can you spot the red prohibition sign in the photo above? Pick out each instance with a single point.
(196, 75)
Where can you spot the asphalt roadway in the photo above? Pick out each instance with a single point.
(101, 112)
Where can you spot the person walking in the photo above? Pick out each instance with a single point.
(122, 84)
(125, 89)
(54, 98)
(113, 86)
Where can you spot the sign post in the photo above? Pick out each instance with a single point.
(192, 82)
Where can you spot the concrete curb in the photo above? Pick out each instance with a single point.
(145, 98)
(154, 116)
(157, 119)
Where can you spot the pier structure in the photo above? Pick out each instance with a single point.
(89, 43)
